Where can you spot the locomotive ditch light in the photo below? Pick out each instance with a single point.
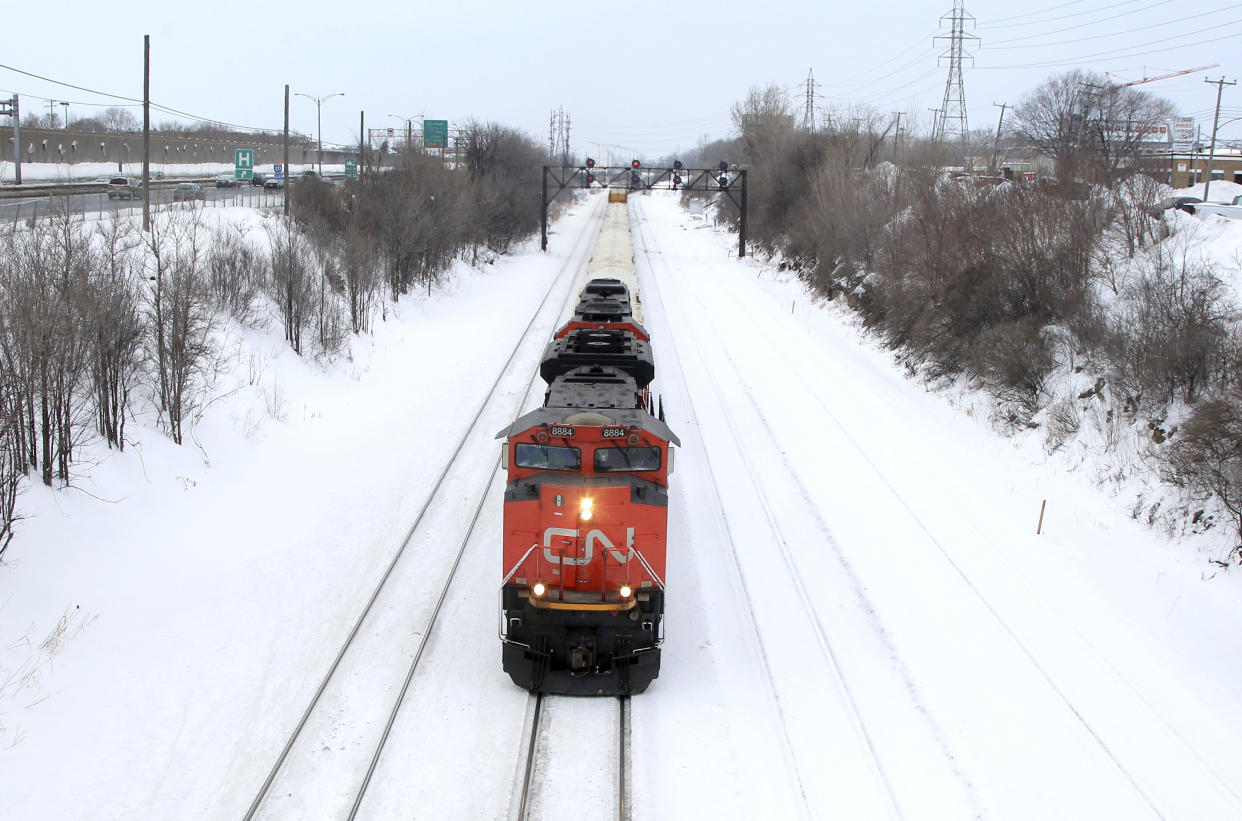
(626, 591)
(538, 589)
(586, 508)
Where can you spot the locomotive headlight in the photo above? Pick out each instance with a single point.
(626, 591)
(539, 589)
(586, 508)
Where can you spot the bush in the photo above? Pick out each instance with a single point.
(1206, 454)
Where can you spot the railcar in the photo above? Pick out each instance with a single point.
(586, 503)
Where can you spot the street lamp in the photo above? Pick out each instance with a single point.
(319, 101)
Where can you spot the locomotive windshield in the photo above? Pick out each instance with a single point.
(547, 457)
(620, 459)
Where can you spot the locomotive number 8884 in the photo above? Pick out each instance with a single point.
(586, 501)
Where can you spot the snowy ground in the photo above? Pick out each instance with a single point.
(862, 622)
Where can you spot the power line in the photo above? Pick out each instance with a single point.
(1000, 43)
(989, 27)
(157, 106)
(1113, 53)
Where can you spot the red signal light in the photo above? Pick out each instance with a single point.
(590, 178)
(635, 164)
(724, 166)
(590, 163)
(634, 178)
(676, 181)
(677, 164)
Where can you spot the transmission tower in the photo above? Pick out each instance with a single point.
(558, 135)
(951, 117)
(809, 119)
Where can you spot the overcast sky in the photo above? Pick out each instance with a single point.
(647, 77)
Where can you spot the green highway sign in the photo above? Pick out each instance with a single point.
(351, 169)
(243, 164)
(435, 133)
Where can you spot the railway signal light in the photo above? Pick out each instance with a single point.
(676, 181)
(634, 179)
(590, 179)
(635, 164)
(590, 163)
(724, 166)
(724, 181)
(677, 164)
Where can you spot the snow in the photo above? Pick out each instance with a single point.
(862, 622)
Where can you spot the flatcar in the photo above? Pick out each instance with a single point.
(586, 501)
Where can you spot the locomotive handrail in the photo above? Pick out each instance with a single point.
(643, 559)
(519, 564)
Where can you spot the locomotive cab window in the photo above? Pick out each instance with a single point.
(547, 457)
(625, 459)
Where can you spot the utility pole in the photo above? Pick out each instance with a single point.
(897, 138)
(1220, 86)
(362, 130)
(996, 142)
(146, 132)
(935, 124)
(285, 169)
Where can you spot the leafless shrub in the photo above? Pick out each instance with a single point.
(1013, 361)
(1206, 454)
(236, 271)
(44, 293)
(1171, 329)
(116, 325)
(291, 283)
(1061, 425)
(180, 322)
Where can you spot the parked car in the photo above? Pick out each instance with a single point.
(226, 181)
(124, 188)
(273, 183)
(258, 179)
(188, 192)
(1186, 204)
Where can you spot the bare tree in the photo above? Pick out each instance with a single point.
(115, 325)
(1091, 129)
(116, 118)
(291, 284)
(180, 320)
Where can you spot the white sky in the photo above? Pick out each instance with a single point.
(648, 77)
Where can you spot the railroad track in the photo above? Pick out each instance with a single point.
(297, 776)
(532, 789)
(744, 403)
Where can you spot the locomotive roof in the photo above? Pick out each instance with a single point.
(630, 417)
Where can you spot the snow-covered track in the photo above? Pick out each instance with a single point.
(800, 586)
(966, 637)
(545, 755)
(370, 638)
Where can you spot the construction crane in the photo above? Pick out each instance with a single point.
(1162, 76)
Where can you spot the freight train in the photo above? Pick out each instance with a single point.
(586, 499)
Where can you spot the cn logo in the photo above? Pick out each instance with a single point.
(588, 551)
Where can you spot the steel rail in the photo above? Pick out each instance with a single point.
(323, 685)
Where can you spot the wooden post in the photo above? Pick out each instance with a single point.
(1040, 526)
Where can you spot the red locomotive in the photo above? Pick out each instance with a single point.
(586, 511)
